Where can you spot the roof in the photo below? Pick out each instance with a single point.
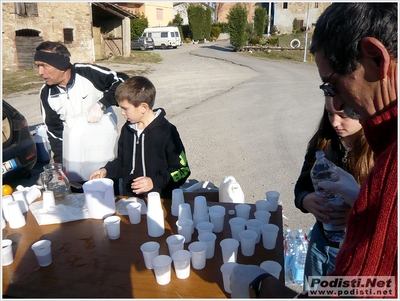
(115, 9)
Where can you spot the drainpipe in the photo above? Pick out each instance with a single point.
(269, 21)
(306, 42)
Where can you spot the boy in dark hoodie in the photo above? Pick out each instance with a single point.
(151, 156)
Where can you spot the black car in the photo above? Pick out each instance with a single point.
(142, 43)
(19, 148)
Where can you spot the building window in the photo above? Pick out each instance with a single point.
(159, 14)
(26, 9)
(68, 35)
(27, 33)
(285, 5)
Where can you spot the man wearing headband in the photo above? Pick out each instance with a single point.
(72, 89)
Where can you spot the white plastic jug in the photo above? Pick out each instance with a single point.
(99, 197)
(42, 143)
(88, 146)
(230, 191)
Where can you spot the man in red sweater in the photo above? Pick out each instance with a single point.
(355, 49)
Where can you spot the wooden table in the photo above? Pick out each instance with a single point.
(87, 264)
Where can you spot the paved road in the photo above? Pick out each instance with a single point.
(238, 116)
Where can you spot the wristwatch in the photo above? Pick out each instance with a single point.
(255, 285)
(102, 107)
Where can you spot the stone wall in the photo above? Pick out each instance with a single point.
(50, 20)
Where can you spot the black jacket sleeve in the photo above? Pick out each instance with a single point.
(304, 184)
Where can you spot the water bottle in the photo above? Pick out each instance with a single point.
(325, 170)
(301, 247)
(288, 247)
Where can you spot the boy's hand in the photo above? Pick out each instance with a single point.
(141, 185)
(101, 173)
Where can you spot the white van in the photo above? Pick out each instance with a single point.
(167, 36)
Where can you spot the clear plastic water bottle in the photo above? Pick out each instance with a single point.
(288, 247)
(325, 170)
(301, 247)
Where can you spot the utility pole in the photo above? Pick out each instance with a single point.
(306, 42)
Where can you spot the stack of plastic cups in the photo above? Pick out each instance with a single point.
(177, 199)
(200, 213)
(155, 215)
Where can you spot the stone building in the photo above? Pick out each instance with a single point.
(91, 30)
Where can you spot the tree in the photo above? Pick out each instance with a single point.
(138, 25)
(207, 23)
(237, 23)
(196, 17)
(260, 21)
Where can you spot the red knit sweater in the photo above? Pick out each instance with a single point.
(370, 246)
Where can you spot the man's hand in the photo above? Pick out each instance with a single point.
(94, 112)
(98, 174)
(141, 185)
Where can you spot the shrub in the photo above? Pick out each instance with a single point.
(255, 41)
(138, 25)
(260, 21)
(215, 32)
(237, 20)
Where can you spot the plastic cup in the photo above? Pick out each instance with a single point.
(262, 205)
(243, 210)
(149, 250)
(269, 235)
(113, 224)
(247, 242)
(162, 269)
(4, 204)
(3, 222)
(181, 259)
(217, 215)
(237, 224)
(198, 251)
(263, 216)
(209, 238)
(32, 194)
(134, 212)
(255, 225)
(200, 206)
(42, 249)
(177, 199)
(19, 197)
(204, 227)
(7, 256)
(226, 270)
(272, 267)
(16, 218)
(185, 227)
(48, 200)
(272, 197)
(229, 248)
(175, 243)
(184, 211)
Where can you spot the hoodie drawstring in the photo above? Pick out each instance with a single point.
(134, 155)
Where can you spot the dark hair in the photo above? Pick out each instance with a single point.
(136, 90)
(54, 47)
(360, 159)
(342, 26)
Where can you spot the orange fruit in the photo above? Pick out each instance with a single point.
(6, 190)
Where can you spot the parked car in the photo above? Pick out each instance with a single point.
(142, 43)
(19, 148)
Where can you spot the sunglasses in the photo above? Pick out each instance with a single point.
(327, 88)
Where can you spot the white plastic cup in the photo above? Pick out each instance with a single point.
(217, 215)
(181, 259)
(272, 267)
(149, 250)
(19, 197)
(3, 222)
(32, 194)
(175, 243)
(7, 256)
(226, 270)
(272, 197)
(229, 248)
(177, 199)
(162, 269)
(4, 202)
(184, 211)
(185, 227)
(198, 251)
(269, 235)
(262, 205)
(204, 227)
(263, 216)
(209, 238)
(255, 225)
(200, 206)
(48, 200)
(237, 224)
(42, 249)
(134, 212)
(16, 218)
(243, 210)
(113, 226)
(247, 242)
